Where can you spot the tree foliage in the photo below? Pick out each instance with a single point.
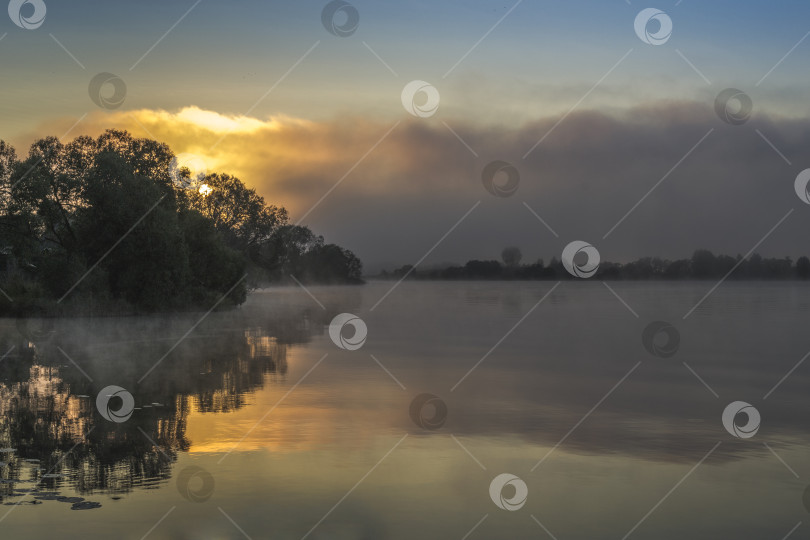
(702, 265)
(107, 223)
(511, 256)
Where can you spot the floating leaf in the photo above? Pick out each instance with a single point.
(85, 505)
(72, 500)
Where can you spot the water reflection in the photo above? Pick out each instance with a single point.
(575, 381)
(51, 434)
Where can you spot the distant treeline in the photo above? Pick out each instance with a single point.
(113, 225)
(702, 265)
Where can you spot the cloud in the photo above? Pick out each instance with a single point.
(394, 189)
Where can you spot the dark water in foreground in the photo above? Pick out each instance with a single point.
(257, 425)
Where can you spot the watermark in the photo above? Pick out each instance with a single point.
(802, 186)
(583, 269)
(124, 410)
(500, 178)
(35, 13)
(427, 105)
(340, 18)
(417, 411)
(99, 90)
(751, 426)
(195, 484)
(661, 339)
(646, 19)
(733, 106)
(348, 343)
(517, 500)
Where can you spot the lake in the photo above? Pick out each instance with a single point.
(472, 410)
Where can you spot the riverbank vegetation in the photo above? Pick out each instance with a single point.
(702, 265)
(113, 225)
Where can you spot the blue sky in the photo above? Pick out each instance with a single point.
(224, 56)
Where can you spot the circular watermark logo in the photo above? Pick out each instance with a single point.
(661, 339)
(802, 186)
(99, 90)
(420, 98)
(340, 18)
(583, 269)
(500, 178)
(348, 343)
(195, 484)
(733, 106)
(424, 402)
(517, 500)
(751, 426)
(196, 166)
(35, 13)
(656, 20)
(105, 403)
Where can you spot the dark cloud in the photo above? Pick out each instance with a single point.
(589, 172)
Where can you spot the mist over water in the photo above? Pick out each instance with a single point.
(256, 415)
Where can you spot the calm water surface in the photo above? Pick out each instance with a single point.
(257, 425)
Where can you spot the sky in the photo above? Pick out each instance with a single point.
(616, 140)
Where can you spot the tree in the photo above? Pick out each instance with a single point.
(275, 249)
(283, 254)
(106, 221)
(511, 256)
(149, 266)
(803, 267)
(703, 264)
(214, 268)
(238, 212)
(331, 264)
(483, 269)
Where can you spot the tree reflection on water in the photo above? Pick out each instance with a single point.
(52, 435)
